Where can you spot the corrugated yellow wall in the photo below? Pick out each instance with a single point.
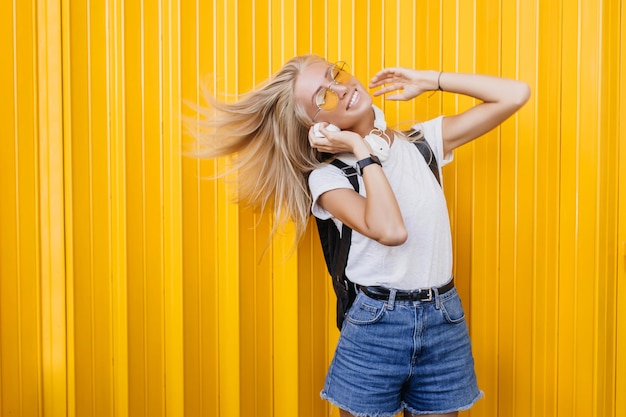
(130, 286)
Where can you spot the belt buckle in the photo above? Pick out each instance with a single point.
(429, 292)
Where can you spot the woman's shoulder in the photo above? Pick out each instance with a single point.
(328, 172)
(430, 128)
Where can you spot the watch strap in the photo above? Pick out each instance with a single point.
(362, 163)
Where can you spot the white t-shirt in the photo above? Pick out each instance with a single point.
(425, 259)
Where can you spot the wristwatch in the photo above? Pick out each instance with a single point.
(361, 164)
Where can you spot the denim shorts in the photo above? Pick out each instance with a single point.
(411, 355)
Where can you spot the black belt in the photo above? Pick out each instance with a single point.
(425, 294)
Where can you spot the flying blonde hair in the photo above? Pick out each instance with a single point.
(266, 132)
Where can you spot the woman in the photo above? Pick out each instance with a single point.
(404, 344)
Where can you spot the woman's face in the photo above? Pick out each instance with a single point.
(352, 103)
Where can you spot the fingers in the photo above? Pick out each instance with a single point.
(314, 139)
(396, 97)
(334, 141)
(321, 143)
(388, 89)
(386, 76)
(391, 79)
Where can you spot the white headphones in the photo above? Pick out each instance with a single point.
(377, 138)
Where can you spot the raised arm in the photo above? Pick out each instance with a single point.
(500, 98)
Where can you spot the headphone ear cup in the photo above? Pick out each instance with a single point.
(379, 119)
(316, 129)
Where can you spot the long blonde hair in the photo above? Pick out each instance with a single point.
(266, 132)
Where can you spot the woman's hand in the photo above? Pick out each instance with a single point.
(338, 142)
(410, 83)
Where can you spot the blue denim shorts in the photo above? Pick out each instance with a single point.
(411, 355)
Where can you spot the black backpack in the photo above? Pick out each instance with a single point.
(336, 247)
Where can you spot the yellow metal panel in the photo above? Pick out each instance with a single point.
(318, 40)
(69, 241)
(568, 213)
(201, 208)
(620, 346)
(175, 303)
(119, 282)
(228, 255)
(486, 237)
(588, 146)
(284, 286)
(145, 203)
(89, 224)
(256, 297)
(172, 193)
(526, 278)
(20, 288)
(313, 303)
(609, 209)
(53, 323)
(548, 97)
(620, 385)
(98, 285)
(136, 222)
(285, 323)
(465, 48)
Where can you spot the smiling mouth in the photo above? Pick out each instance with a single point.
(353, 99)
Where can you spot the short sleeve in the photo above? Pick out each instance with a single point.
(321, 180)
(432, 130)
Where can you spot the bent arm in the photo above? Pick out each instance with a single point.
(501, 97)
(376, 216)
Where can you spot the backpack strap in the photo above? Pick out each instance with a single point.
(346, 232)
(426, 151)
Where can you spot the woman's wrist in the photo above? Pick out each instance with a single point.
(362, 150)
(439, 87)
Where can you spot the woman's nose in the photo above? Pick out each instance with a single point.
(340, 89)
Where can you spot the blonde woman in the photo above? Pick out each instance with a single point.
(404, 344)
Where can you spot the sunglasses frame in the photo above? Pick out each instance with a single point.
(341, 67)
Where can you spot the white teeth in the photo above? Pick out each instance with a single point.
(353, 100)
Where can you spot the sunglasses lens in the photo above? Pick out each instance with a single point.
(326, 99)
(340, 72)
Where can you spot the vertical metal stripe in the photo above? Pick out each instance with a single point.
(90, 179)
(227, 230)
(620, 345)
(53, 324)
(568, 214)
(284, 287)
(143, 388)
(69, 228)
(119, 284)
(16, 148)
(16, 121)
(173, 311)
(483, 304)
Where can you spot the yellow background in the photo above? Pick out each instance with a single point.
(132, 287)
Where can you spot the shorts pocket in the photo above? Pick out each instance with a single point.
(366, 311)
(452, 309)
